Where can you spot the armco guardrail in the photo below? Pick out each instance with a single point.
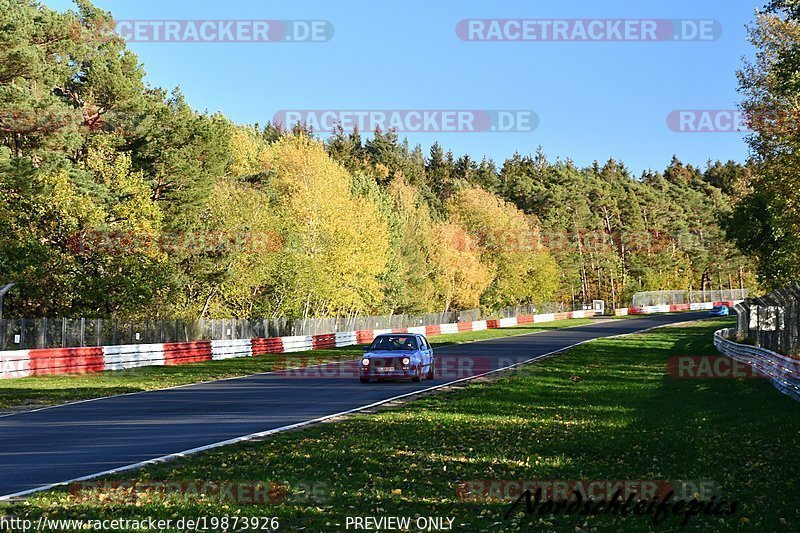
(782, 371)
(675, 308)
(25, 363)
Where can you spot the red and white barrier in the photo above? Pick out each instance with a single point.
(25, 363)
(507, 322)
(267, 346)
(346, 338)
(231, 348)
(323, 342)
(297, 343)
(132, 356)
(448, 329)
(15, 364)
(180, 353)
(66, 361)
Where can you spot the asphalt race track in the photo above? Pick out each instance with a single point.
(59, 444)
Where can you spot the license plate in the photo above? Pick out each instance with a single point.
(385, 369)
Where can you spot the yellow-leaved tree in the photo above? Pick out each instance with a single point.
(336, 245)
(234, 253)
(411, 287)
(459, 273)
(508, 241)
(248, 151)
(437, 261)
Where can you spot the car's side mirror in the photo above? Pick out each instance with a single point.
(366, 348)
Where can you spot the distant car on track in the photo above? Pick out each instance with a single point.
(397, 356)
(719, 310)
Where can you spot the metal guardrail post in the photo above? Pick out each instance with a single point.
(42, 340)
(3, 292)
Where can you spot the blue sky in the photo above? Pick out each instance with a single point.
(594, 100)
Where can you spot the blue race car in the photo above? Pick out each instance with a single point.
(719, 310)
(397, 356)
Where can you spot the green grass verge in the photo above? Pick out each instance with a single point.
(625, 419)
(28, 393)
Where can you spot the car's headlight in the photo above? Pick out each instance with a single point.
(406, 360)
(365, 362)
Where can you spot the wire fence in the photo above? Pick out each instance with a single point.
(771, 321)
(646, 299)
(33, 333)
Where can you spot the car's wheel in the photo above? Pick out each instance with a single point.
(363, 380)
(418, 376)
(431, 373)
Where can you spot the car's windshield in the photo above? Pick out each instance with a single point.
(394, 342)
(716, 308)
